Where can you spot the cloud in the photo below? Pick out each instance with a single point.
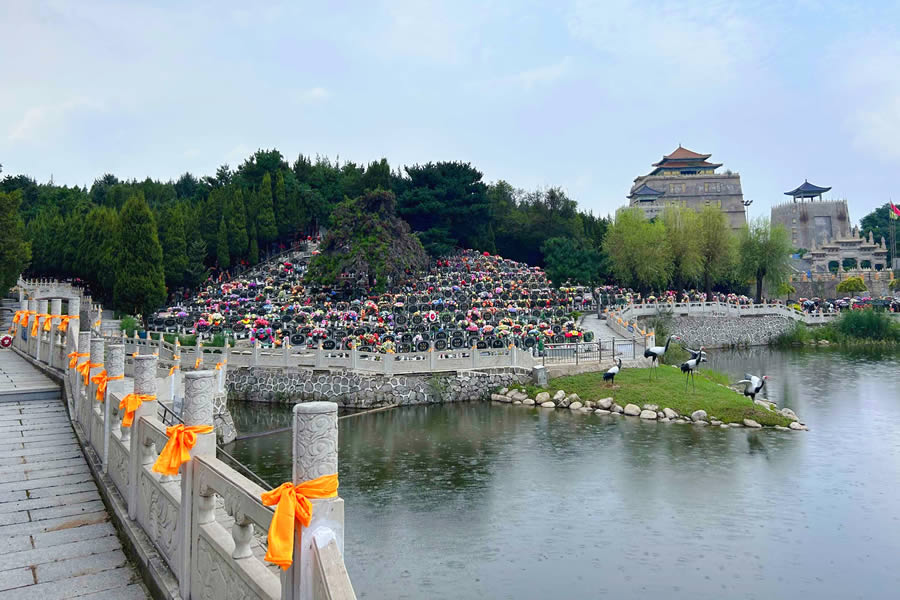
(315, 94)
(39, 121)
(866, 79)
(544, 75)
(686, 41)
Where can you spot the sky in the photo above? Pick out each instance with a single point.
(578, 94)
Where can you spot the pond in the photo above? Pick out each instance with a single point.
(499, 501)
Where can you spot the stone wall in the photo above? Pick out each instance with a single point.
(722, 332)
(357, 390)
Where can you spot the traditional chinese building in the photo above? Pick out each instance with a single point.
(822, 229)
(686, 178)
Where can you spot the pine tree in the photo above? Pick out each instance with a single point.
(140, 285)
(15, 252)
(174, 245)
(237, 225)
(254, 246)
(266, 229)
(196, 271)
(222, 246)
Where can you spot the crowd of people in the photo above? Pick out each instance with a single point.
(469, 299)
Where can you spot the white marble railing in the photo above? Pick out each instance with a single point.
(319, 358)
(630, 312)
(208, 522)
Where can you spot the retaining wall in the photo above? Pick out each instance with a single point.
(722, 332)
(357, 390)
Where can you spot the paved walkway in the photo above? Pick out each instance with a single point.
(20, 381)
(56, 540)
(602, 331)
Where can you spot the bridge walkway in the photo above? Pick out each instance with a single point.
(56, 540)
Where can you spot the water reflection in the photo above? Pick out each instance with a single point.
(480, 501)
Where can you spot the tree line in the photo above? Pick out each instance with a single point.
(687, 249)
(134, 242)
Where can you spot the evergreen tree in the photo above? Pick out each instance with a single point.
(236, 217)
(15, 252)
(174, 244)
(253, 255)
(196, 271)
(369, 240)
(266, 228)
(140, 285)
(284, 212)
(222, 257)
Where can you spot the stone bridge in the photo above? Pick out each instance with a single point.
(201, 533)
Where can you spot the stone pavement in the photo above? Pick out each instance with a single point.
(55, 537)
(602, 331)
(20, 380)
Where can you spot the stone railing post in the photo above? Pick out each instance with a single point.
(97, 357)
(43, 309)
(319, 360)
(255, 358)
(72, 343)
(20, 340)
(84, 346)
(115, 367)
(53, 356)
(432, 358)
(32, 340)
(144, 383)
(199, 389)
(315, 447)
(474, 354)
(354, 358)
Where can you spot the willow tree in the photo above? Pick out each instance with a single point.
(140, 285)
(765, 254)
(368, 239)
(683, 241)
(638, 251)
(718, 247)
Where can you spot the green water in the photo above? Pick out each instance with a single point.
(499, 501)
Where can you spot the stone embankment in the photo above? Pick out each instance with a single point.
(357, 390)
(649, 412)
(725, 332)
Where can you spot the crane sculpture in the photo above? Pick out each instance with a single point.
(655, 353)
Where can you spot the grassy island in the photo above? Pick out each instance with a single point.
(666, 390)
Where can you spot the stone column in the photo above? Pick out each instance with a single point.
(97, 344)
(32, 340)
(199, 389)
(80, 390)
(72, 345)
(53, 356)
(315, 448)
(115, 366)
(144, 383)
(40, 347)
(21, 342)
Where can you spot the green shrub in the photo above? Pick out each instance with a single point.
(129, 325)
(868, 324)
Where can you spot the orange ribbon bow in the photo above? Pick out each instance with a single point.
(130, 403)
(18, 316)
(85, 369)
(24, 321)
(36, 323)
(197, 362)
(64, 322)
(101, 379)
(293, 505)
(74, 356)
(172, 369)
(175, 452)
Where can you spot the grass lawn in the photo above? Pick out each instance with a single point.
(666, 390)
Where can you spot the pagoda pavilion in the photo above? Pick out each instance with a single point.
(688, 179)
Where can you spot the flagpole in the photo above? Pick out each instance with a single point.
(893, 230)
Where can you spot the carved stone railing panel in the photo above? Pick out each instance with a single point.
(224, 555)
(158, 498)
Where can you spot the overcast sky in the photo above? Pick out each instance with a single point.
(578, 94)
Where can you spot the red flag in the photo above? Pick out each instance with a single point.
(894, 209)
